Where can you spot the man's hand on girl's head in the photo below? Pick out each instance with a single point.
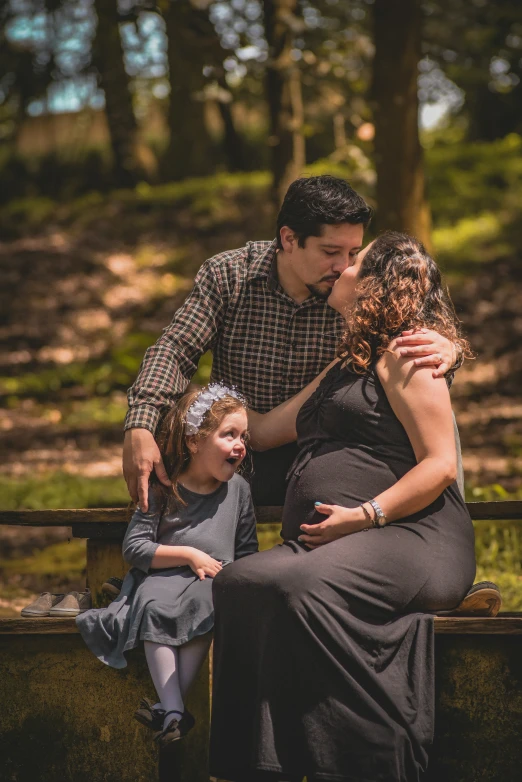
(141, 456)
(428, 348)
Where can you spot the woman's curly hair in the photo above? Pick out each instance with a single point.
(399, 287)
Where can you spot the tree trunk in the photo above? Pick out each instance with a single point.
(401, 197)
(285, 103)
(232, 142)
(191, 41)
(115, 82)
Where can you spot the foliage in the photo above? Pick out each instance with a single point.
(475, 199)
(477, 46)
(141, 208)
(471, 179)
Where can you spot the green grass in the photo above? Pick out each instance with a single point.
(65, 560)
(61, 490)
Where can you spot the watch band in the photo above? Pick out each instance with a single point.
(380, 518)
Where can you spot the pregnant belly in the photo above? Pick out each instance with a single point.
(346, 476)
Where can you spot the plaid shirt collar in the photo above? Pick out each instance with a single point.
(264, 266)
(264, 263)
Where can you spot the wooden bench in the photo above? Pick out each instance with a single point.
(65, 717)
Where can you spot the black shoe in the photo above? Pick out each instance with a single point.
(176, 729)
(112, 587)
(148, 716)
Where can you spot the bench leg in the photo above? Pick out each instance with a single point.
(104, 559)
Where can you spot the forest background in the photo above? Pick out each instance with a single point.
(139, 138)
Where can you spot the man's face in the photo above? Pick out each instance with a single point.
(344, 292)
(323, 258)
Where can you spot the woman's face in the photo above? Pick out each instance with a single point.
(344, 292)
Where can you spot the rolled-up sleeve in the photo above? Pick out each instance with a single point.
(139, 543)
(168, 366)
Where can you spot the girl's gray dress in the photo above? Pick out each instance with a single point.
(172, 605)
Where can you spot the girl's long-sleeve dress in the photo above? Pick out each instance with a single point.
(171, 605)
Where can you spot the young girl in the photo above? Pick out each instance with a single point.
(188, 534)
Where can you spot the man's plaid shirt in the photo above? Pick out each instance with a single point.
(262, 342)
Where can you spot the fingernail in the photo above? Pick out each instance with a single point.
(300, 540)
(317, 503)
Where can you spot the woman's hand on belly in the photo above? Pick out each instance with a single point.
(339, 523)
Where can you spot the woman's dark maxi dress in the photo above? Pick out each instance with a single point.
(323, 661)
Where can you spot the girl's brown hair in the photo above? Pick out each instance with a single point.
(399, 288)
(172, 440)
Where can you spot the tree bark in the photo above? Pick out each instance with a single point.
(232, 141)
(115, 82)
(284, 96)
(191, 39)
(401, 186)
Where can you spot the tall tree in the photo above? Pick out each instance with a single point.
(115, 82)
(283, 87)
(191, 45)
(401, 196)
(232, 141)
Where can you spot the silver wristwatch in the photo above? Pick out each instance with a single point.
(380, 518)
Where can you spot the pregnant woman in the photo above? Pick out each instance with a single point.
(324, 645)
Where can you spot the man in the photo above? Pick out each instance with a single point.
(262, 310)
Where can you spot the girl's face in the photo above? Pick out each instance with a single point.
(344, 292)
(220, 454)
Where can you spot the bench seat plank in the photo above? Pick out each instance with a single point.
(46, 625)
(504, 510)
(503, 624)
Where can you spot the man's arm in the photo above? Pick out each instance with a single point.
(429, 348)
(165, 372)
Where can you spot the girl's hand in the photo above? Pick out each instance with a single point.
(203, 565)
(339, 522)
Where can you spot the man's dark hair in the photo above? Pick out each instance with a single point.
(311, 202)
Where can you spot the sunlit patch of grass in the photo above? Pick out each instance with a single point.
(268, 536)
(66, 559)
(29, 213)
(491, 493)
(61, 490)
(93, 377)
(509, 583)
(101, 411)
(117, 371)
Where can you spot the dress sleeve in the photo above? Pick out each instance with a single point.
(246, 530)
(170, 363)
(139, 543)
